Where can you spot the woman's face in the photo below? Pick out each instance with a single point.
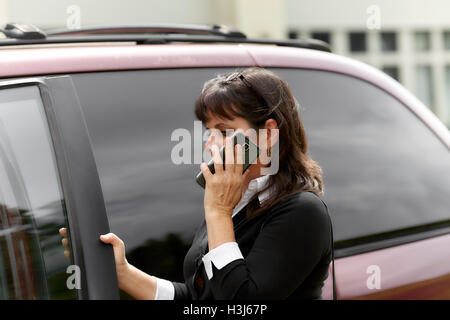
(218, 132)
(218, 129)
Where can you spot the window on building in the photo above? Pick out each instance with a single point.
(422, 41)
(324, 36)
(447, 40)
(388, 41)
(391, 71)
(424, 85)
(358, 41)
(293, 34)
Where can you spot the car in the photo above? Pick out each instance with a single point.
(86, 123)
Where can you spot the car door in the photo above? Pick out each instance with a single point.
(49, 180)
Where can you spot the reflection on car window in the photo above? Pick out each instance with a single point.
(32, 261)
(384, 169)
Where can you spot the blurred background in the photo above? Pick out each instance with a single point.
(407, 39)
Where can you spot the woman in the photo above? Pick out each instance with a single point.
(264, 236)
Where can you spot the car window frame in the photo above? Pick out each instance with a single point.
(80, 184)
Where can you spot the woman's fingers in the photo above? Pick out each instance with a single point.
(67, 254)
(111, 238)
(229, 155)
(117, 243)
(65, 243)
(239, 159)
(206, 172)
(218, 163)
(118, 248)
(63, 232)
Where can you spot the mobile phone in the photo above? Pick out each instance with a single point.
(250, 152)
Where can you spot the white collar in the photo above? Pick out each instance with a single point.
(257, 185)
(254, 186)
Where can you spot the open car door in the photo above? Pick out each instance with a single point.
(49, 180)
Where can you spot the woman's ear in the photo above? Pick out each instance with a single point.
(271, 126)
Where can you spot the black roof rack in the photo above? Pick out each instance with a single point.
(22, 31)
(152, 35)
(217, 30)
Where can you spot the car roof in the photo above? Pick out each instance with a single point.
(75, 58)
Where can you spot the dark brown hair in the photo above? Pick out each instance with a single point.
(256, 96)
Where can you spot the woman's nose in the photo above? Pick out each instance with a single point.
(212, 140)
(208, 144)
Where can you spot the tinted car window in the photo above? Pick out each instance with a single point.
(153, 204)
(32, 261)
(383, 169)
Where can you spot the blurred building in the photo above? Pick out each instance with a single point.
(407, 39)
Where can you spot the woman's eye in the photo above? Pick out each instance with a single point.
(215, 132)
(227, 133)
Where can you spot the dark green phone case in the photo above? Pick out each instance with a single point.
(249, 149)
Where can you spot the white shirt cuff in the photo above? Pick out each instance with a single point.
(164, 289)
(221, 256)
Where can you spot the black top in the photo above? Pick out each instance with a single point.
(287, 252)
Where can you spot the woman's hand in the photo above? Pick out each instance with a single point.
(110, 238)
(119, 252)
(133, 281)
(223, 189)
(65, 242)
